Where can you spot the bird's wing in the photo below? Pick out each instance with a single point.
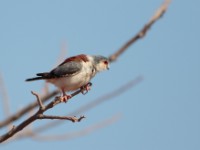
(67, 69)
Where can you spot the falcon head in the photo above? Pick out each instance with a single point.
(100, 63)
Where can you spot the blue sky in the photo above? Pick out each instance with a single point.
(161, 112)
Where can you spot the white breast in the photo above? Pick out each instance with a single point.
(76, 81)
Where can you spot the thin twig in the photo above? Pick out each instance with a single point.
(26, 109)
(37, 115)
(31, 106)
(159, 13)
(38, 100)
(71, 135)
(93, 103)
(73, 119)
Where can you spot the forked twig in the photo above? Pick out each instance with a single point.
(38, 115)
(38, 100)
(75, 134)
(26, 109)
(96, 102)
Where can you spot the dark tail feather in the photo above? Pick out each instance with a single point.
(33, 79)
(43, 76)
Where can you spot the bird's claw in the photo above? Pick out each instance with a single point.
(65, 98)
(86, 88)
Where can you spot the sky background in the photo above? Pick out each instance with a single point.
(160, 113)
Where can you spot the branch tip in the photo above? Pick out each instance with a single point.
(157, 15)
(38, 100)
(80, 118)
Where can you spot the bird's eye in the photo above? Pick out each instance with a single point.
(105, 62)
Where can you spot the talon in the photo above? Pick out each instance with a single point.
(65, 98)
(83, 91)
(86, 88)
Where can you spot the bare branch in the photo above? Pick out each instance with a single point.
(73, 119)
(26, 109)
(37, 115)
(38, 100)
(71, 135)
(93, 103)
(31, 106)
(159, 13)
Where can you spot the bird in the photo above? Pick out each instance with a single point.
(74, 73)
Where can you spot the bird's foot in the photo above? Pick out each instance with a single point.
(65, 98)
(86, 88)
